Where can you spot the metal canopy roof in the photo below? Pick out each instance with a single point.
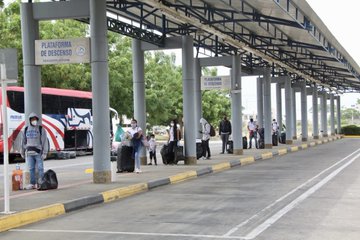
(286, 35)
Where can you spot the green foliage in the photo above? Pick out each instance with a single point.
(350, 130)
(349, 115)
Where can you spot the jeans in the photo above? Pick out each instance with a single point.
(225, 139)
(137, 158)
(35, 161)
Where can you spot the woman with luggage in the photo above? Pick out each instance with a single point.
(174, 137)
(136, 134)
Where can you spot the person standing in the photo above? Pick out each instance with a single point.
(174, 137)
(224, 132)
(136, 134)
(152, 149)
(252, 128)
(34, 149)
(205, 138)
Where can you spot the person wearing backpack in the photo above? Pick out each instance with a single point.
(34, 148)
(224, 132)
(174, 138)
(205, 126)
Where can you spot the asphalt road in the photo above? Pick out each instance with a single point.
(312, 194)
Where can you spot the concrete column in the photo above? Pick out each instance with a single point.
(278, 106)
(332, 115)
(304, 120)
(315, 113)
(260, 103)
(293, 108)
(324, 114)
(267, 108)
(236, 114)
(32, 73)
(288, 111)
(100, 90)
(338, 113)
(198, 100)
(139, 90)
(188, 100)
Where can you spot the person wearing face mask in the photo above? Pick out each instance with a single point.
(174, 137)
(34, 149)
(136, 134)
(152, 149)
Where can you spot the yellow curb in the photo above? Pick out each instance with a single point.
(220, 167)
(282, 151)
(30, 216)
(123, 192)
(313, 144)
(304, 146)
(267, 155)
(294, 149)
(351, 136)
(89, 170)
(183, 176)
(247, 160)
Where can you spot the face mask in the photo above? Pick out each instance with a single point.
(152, 138)
(133, 125)
(34, 122)
(172, 124)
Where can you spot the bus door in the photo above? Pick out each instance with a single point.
(78, 133)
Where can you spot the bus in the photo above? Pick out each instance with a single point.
(66, 117)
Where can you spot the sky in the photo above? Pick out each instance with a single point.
(342, 19)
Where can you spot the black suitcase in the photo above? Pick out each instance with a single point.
(282, 138)
(125, 160)
(261, 143)
(198, 150)
(179, 154)
(275, 139)
(164, 151)
(245, 143)
(230, 146)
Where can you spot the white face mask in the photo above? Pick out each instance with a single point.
(133, 125)
(34, 122)
(172, 124)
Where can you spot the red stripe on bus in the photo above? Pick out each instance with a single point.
(57, 147)
(55, 127)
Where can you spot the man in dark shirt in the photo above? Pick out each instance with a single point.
(224, 132)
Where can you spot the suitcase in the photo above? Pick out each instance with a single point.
(198, 150)
(125, 160)
(275, 139)
(245, 143)
(282, 138)
(164, 151)
(179, 154)
(261, 143)
(230, 146)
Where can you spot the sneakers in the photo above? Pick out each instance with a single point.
(30, 187)
(137, 170)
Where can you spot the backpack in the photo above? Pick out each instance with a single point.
(212, 131)
(48, 181)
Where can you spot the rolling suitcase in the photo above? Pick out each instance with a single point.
(230, 146)
(245, 143)
(275, 139)
(198, 150)
(179, 154)
(125, 159)
(165, 154)
(282, 138)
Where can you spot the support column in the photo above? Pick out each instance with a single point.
(188, 100)
(267, 108)
(288, 112)
(304, 120)
(278, 106)
(236, 114)
(338, 113)
(100, 90)
(32, 73)
(315, 113)
(139, 90)
(260, 103)
(332, 115)
(198, 100)
(324, 114)
(293, 108)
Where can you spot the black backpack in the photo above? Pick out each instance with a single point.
(212, 131)
(48, 181)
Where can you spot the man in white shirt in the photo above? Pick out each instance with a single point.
(252, 127)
